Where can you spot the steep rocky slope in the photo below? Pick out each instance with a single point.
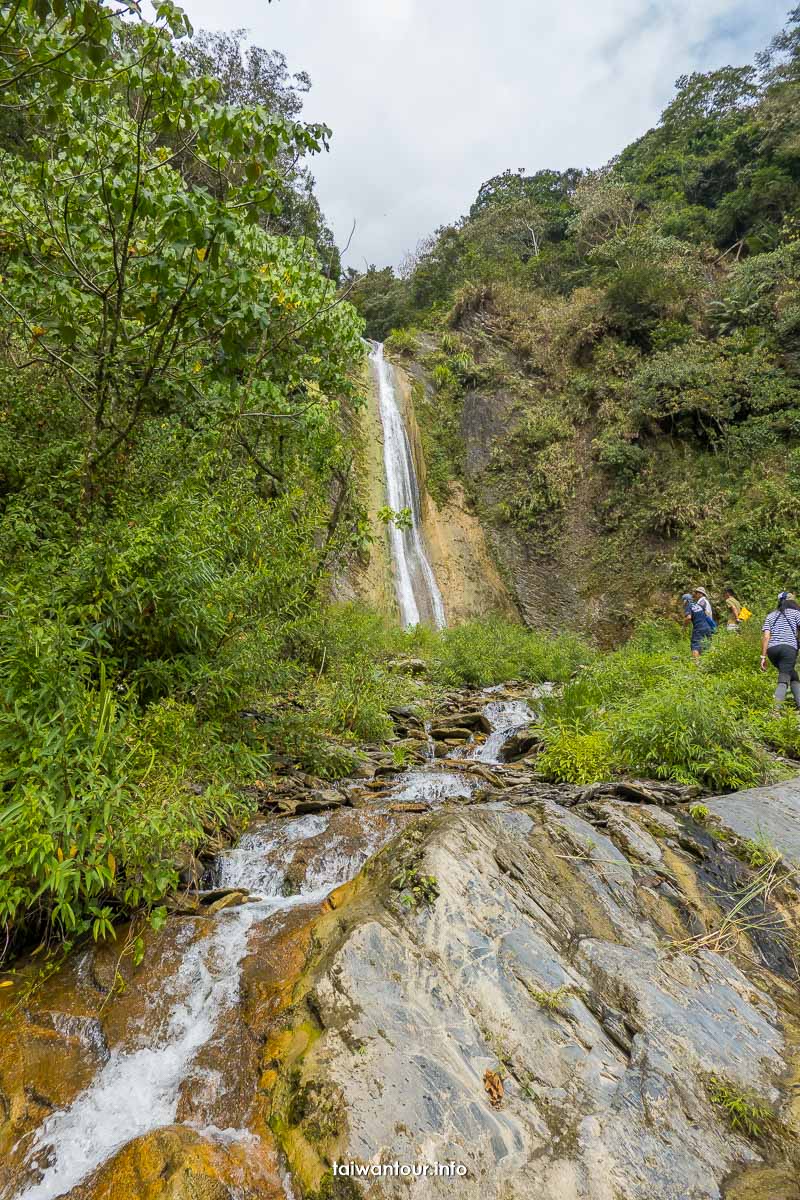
(559, 958)
(550, 986)
(569, 550)
(462, 561)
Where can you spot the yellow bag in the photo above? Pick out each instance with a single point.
(744, 613)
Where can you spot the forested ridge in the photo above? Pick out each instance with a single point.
(627, 341)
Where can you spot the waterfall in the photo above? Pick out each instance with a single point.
(418, 593)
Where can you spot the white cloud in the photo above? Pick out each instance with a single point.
(428, 98)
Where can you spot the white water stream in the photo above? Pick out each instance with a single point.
(138, 1089)
(418, 592)
(506, 718)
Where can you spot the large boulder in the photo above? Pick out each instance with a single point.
(533, 994)
(177, 1163)
(769, 815)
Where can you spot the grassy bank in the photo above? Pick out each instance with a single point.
(646, 709)
(110, 792)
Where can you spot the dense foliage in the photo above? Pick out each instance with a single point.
(178, 383)
(635, 329)
(647, 711)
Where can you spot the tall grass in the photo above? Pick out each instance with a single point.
(647, 709)
(491, 651)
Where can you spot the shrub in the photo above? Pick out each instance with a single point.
(574, 755)
(781, 734)
(91, 823)
(490, 651)
(302, 736)
(442, 376)
(337, 633)
(620, 677)
(357, 698)
(656, 714)
(402, 341)
(745, 1113)
(692, 737)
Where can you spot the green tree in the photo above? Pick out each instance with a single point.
(130, 285)
(174, 462)
(250, 76)
(380, 297)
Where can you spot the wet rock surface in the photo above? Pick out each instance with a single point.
(539, 961)
(769, 814)
(450, 962)
(178, 1163)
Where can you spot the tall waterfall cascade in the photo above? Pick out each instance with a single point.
(418, 594)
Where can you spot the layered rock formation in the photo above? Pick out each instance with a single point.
(572, 993)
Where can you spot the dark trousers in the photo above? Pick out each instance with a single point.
(783, 659)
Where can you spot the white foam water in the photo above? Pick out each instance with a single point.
(138, 1090)
(433, 786)
(506, 718)
(258, 861)
(418, 594)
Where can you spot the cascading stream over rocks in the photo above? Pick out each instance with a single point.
(139, 1086)
(418, 594)
(156, 1078)
(452, 962)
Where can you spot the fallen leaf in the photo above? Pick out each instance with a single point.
(494, 1088)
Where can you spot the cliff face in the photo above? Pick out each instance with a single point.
(562, 569)
(525, 433)
(520, 526)
(462, 560)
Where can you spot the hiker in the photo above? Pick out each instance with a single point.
(701, 596)
(734, 607)
(703, 626)
(779, 645)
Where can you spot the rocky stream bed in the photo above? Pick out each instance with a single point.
(576, 993)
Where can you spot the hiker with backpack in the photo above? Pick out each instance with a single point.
(697, 611)
(738, 613)
(700, 595)
(779, 644)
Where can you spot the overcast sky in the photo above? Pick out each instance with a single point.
(428, 98)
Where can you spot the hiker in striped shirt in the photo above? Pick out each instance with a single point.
(779, 645)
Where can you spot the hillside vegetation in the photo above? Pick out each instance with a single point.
(181, 377)
(178, 383)
(625, 342)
